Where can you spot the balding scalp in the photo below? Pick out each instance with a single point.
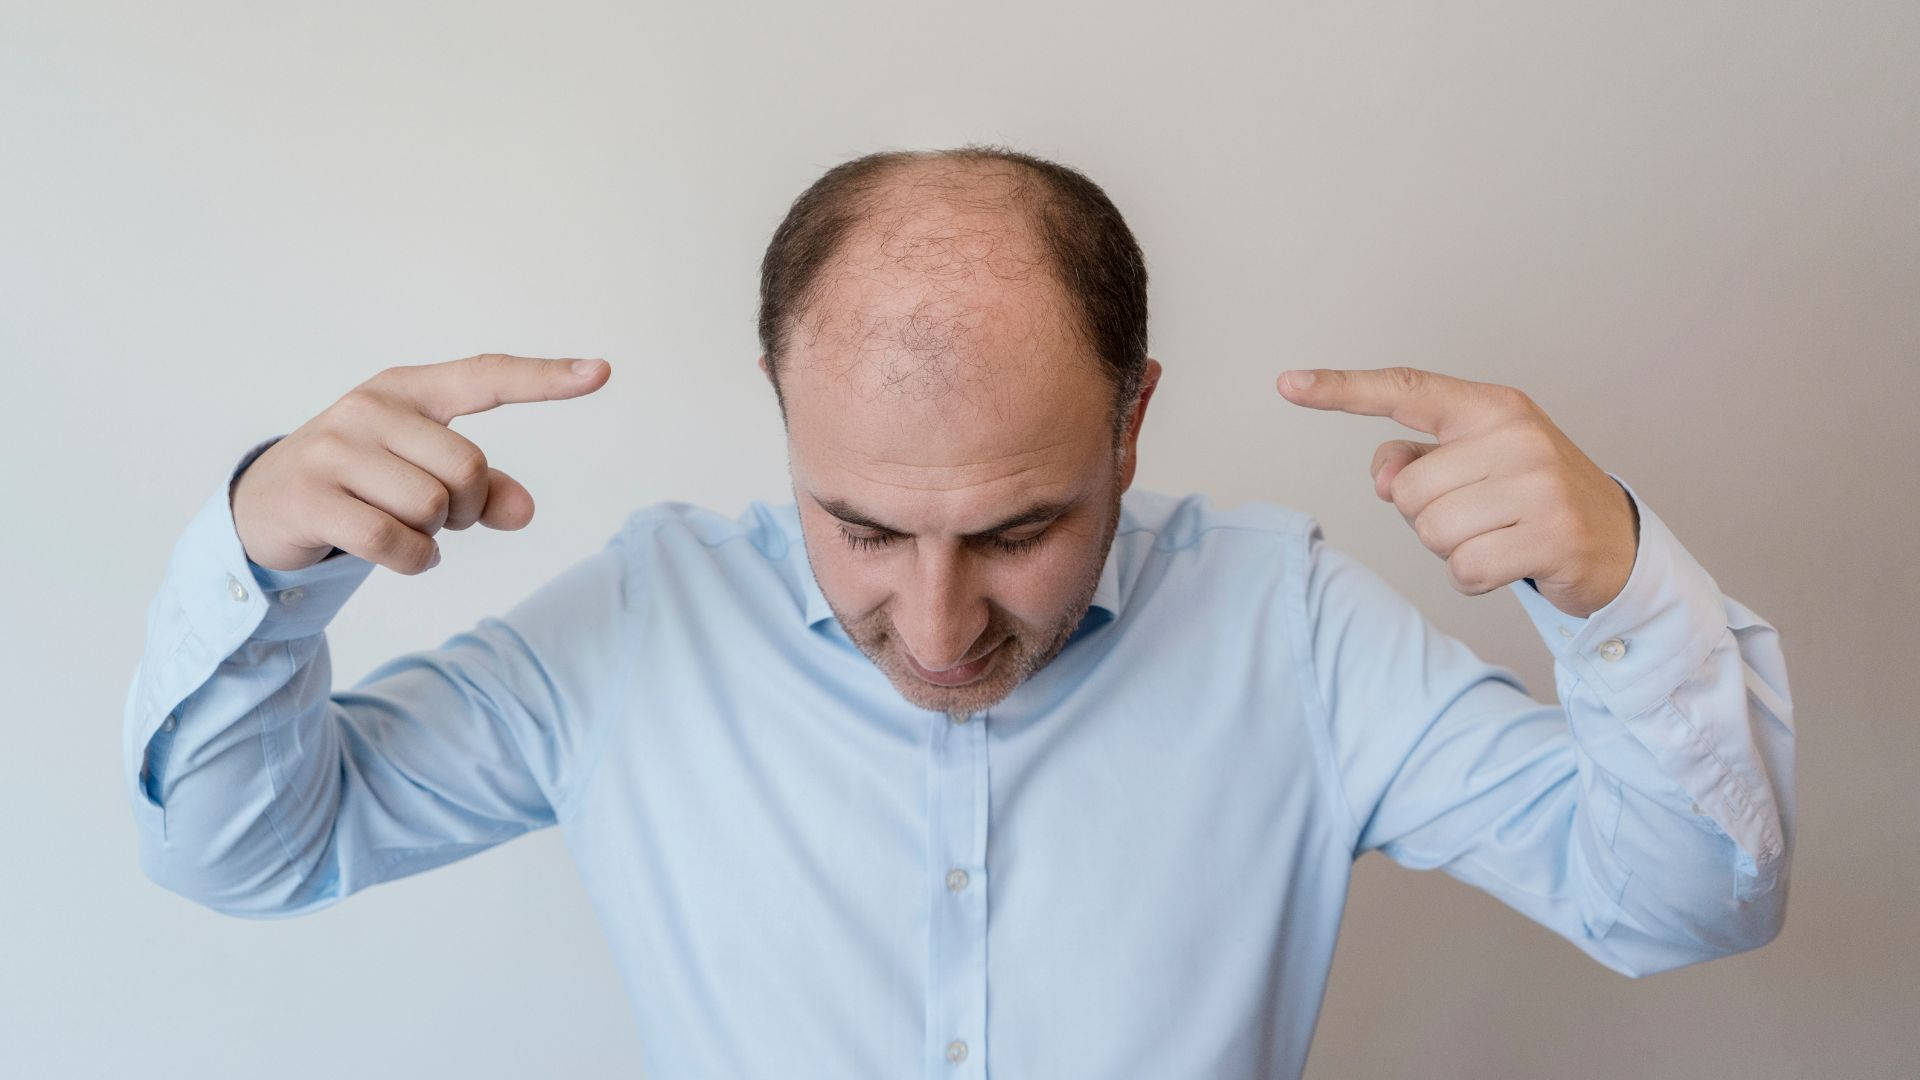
(947, 222)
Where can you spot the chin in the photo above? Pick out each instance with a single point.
(1016, 660)
(1014, 665)
(989, 690)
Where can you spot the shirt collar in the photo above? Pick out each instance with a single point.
(817, 609)
(1106, 595)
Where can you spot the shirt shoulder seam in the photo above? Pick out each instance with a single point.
(568, 805)
(1321, 725)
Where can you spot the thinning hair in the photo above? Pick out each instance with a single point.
(1086, 243)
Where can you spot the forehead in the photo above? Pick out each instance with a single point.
(937, 397)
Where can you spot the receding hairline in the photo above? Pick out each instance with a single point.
(942, 220)
(1071, 232)
(936, 189)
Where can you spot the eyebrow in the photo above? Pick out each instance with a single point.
(1040, 511)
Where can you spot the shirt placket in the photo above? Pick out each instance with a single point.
(957, 897)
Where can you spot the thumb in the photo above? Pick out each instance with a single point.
(1392, 456)
(509, 503)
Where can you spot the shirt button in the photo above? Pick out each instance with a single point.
(1697, 810)
(956, 1051)
(235, 589)
(291, 596)
(1613, 649)
(963, 718)
(956, 879)
(170, 721)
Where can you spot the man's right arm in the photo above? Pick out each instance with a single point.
(260, 792)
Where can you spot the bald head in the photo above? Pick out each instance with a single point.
(932, 276)
(941, 298)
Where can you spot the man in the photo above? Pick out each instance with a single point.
(971, 759)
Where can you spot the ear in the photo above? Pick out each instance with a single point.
(1147, 382)
(763, 366)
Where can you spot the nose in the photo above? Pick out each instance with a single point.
(941, 614)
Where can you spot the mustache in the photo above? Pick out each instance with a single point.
(998, 631)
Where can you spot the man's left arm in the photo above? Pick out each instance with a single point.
(1651, 822)
(1699, 682)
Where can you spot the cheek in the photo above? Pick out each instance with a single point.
(855, 582)
(1033, 587)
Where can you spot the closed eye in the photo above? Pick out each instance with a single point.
(1001, 543)
(1014, 547)
(868, 543)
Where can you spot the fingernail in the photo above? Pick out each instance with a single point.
(1299, 380)
(585, 367)
(435, 561)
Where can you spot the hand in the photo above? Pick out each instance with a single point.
(1503, 495)
(379, 472)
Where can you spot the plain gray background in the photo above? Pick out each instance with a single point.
(1691, 231)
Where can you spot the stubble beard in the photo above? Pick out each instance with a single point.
(1007, 670)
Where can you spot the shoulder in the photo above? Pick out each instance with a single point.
(1186, 553)
(699, 563)
(760, 529)
(1180, 522)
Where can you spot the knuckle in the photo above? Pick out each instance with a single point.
(1427, 528)
(372, 532)
(1528, 437)
(1400, 490)
(1512, 397)
(470, 467)
(385, 377)
(328, 444)
(438, 501)
(1404, 379)
(357, 405)
(1468, 575)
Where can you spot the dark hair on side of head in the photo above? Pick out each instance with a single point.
(1094, 255)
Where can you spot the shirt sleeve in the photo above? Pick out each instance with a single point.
(1647, 818)
(260, 791)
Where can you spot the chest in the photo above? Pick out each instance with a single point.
(862, 875)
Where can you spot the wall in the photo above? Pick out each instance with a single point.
(1690, 231)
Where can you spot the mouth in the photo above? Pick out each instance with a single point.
(959, 674)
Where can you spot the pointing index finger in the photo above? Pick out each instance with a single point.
(1440, 405)
(477, 383)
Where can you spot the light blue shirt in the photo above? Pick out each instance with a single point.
(1134, 866)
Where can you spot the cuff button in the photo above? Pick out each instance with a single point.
(1613, 649)
(235, 589)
